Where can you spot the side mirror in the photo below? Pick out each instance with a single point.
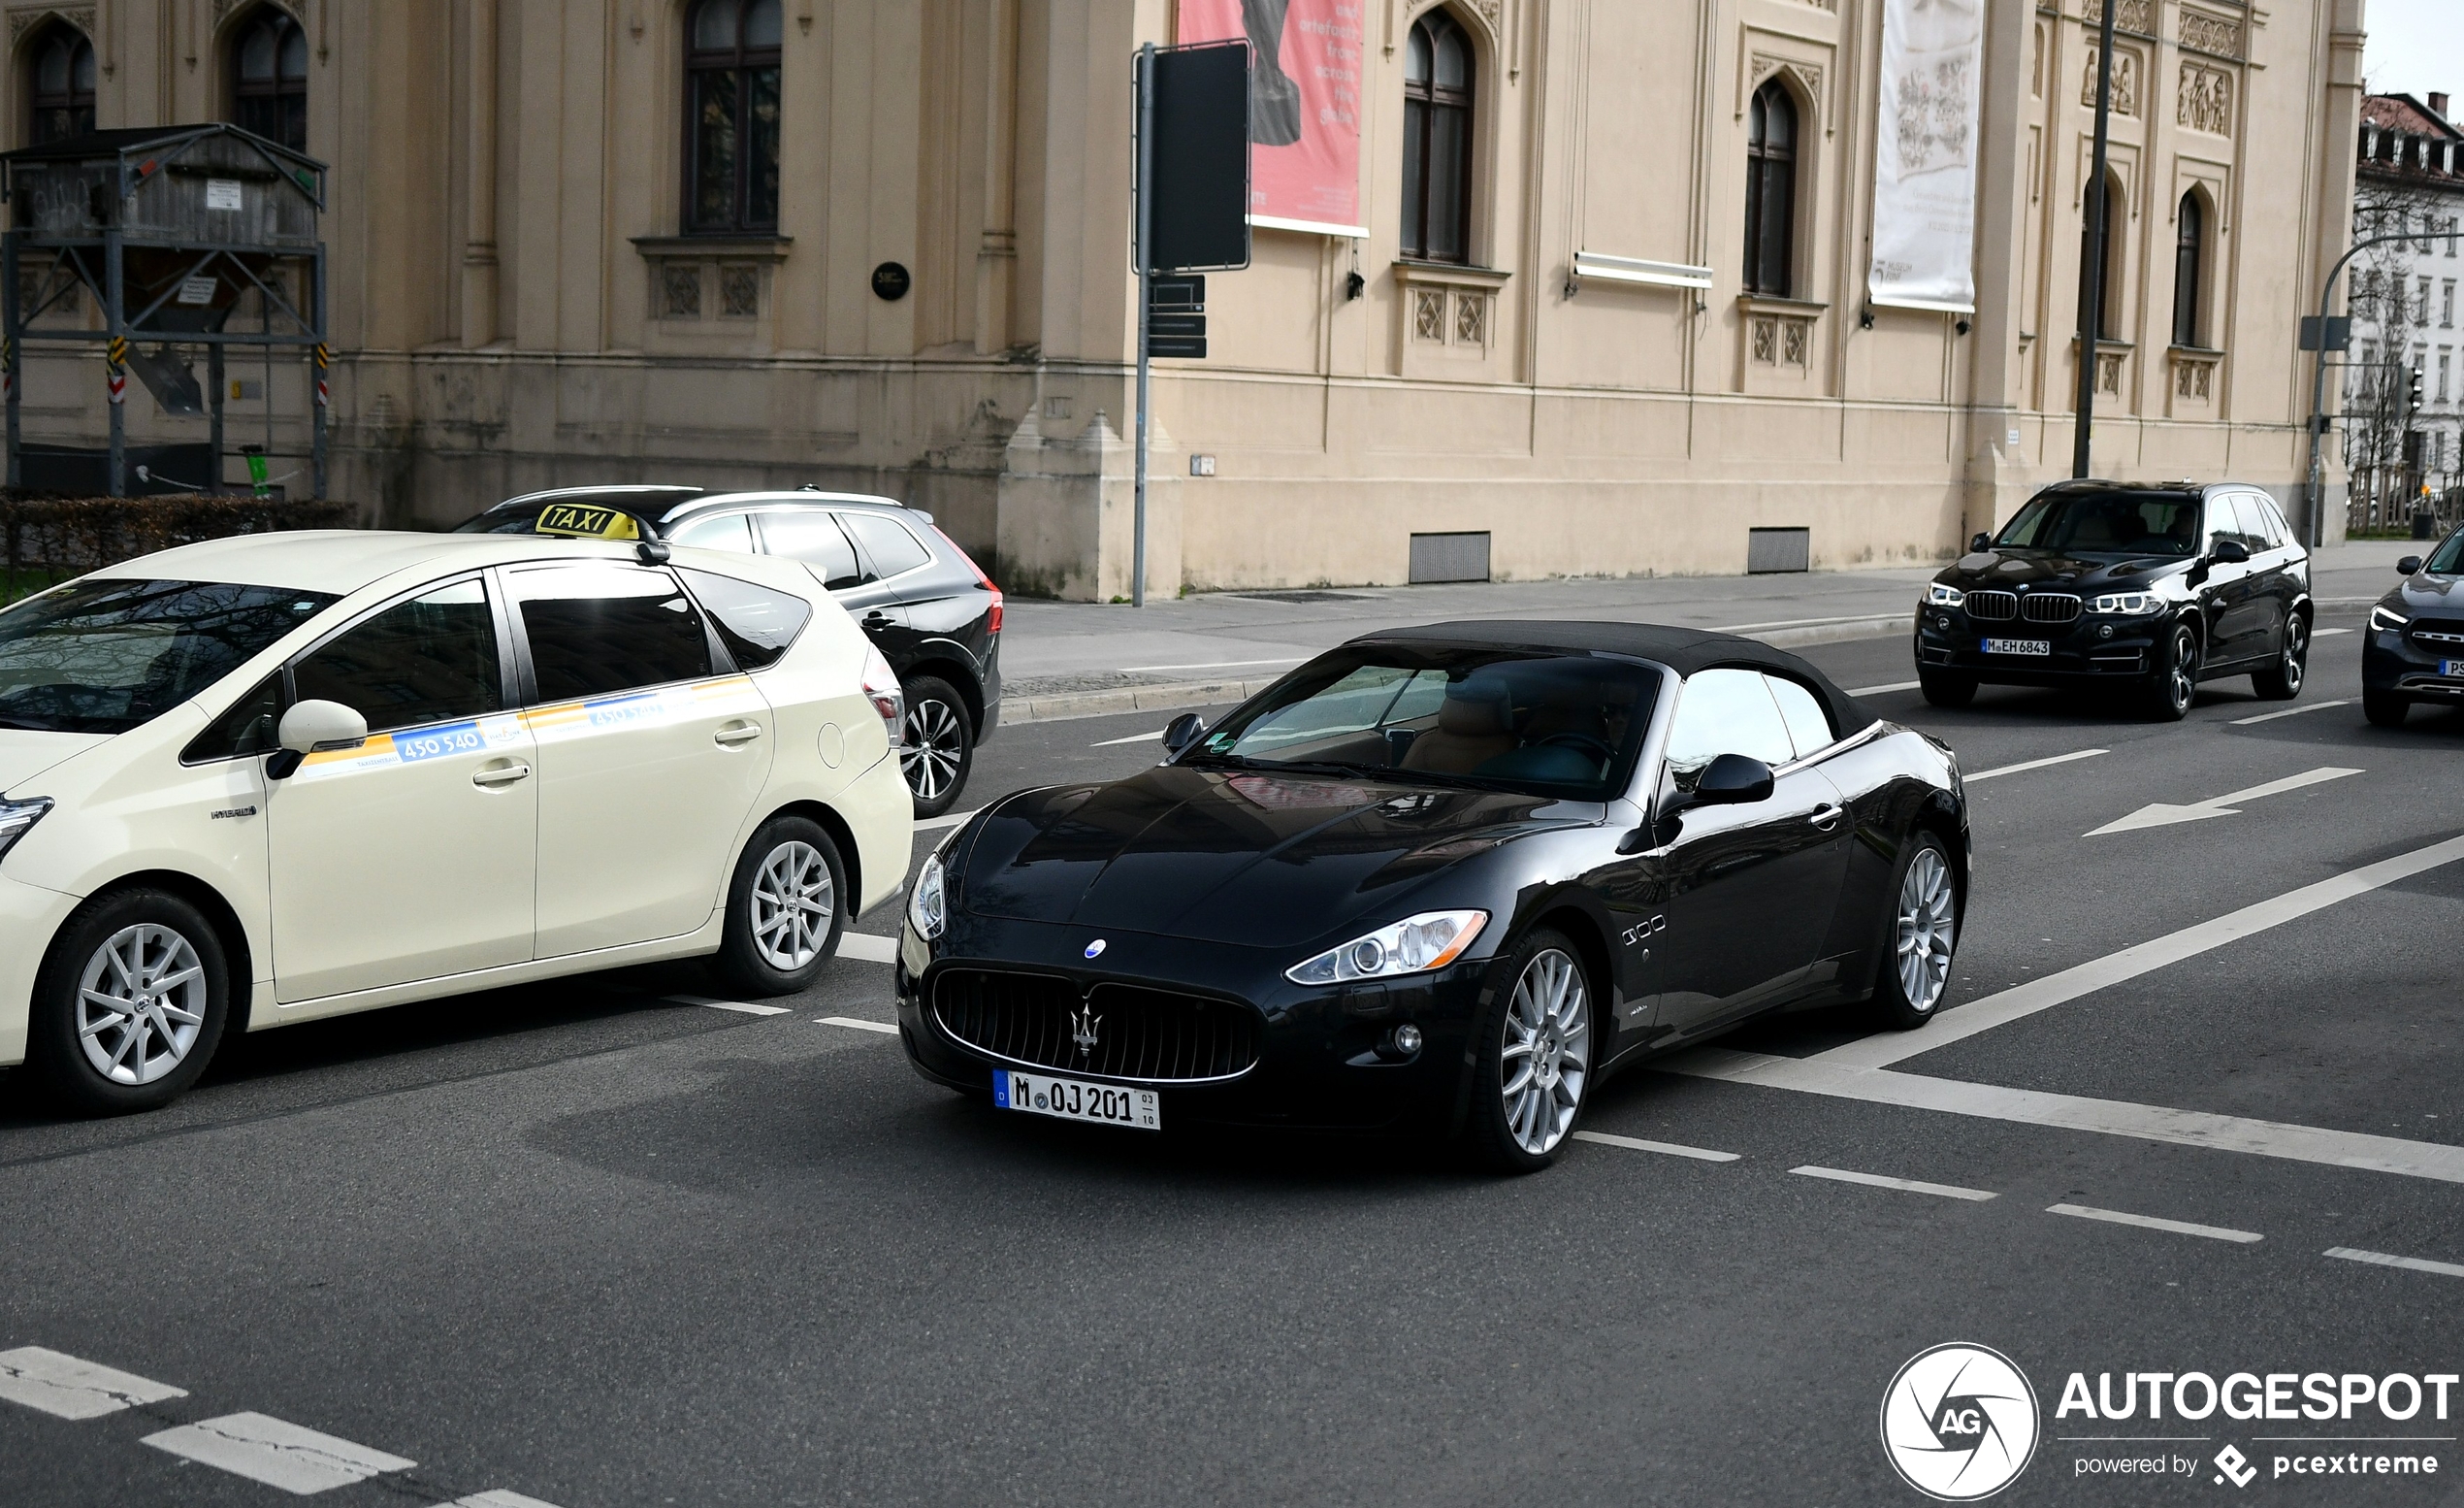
(2229, 552)
(1734, 780)
(311, 726)
(1980, 544)
(1182, 732)
(2407, 566)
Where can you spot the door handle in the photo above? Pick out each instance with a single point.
(1825, 816)
(876, 618)
(500, 774)
(737, 732)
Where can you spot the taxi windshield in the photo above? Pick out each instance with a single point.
(2106, 523)
(108, 656)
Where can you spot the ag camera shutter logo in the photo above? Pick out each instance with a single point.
(1960, 1422)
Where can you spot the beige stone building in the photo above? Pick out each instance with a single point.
(603, 240)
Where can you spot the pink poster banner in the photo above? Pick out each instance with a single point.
(1304, 104)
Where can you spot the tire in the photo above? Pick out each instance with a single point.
(146, 948)
(937, 745)
(2174, 685)
(2282, 682)
(1946, 688)
(1544, 1016)
(1921, 936)
(2384, 708)
(766, 947)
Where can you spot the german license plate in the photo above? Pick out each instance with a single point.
(1075, 1099)
(2034, 646)
(2451, 666)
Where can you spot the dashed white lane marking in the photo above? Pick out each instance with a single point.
(2070, 1113)
(1875, 691)
(1670, 1148)
(889, 1027)
(1135, 738)
(2159, 814)
(498, 1497)
(67, 1388)
(1948, 1190)
(2409, 1263)
(1211, 664)
(1878, 1051)
(2152, 1222)
(950, 821)
(2329, 633)
(268, 1450)
(734, 1005)
(2290, 711)
(2033, 764)
(866, 948)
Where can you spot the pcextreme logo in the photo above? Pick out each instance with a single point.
(1959, 1422)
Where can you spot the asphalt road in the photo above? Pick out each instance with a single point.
(590, 1246)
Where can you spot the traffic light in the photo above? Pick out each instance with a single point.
(2412, 394)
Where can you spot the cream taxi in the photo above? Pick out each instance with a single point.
(266, 780)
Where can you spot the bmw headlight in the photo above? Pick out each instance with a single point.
(2127, 604)
(1941, 596)
(928, 903)
(2383, 617)
(17, 817)
(1414, 946)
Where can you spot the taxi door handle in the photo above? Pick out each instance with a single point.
(735, 734)
(501, 774)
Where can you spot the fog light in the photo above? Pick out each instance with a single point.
(1942, 620)
(2104, 631)
(1407, 1038)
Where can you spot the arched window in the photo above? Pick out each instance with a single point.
(269, 76)
(1437, 141)
(731, 117)
(59, 79)
(2108, 295)
(1770, 191)
(2189, 256)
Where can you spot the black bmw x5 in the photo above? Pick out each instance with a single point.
(2142, 589)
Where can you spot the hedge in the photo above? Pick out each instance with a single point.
(49, 540)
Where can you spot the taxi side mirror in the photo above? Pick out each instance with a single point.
(1182, 732)
(313, 726)
(2407, 566)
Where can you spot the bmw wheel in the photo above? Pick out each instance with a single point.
(938, 745)
(1924, 934)
(130, 1003)
(2176, 685)
(2282, 682)
(1535, 1056)
(783, 910)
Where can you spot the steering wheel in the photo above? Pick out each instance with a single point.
(1598, 748)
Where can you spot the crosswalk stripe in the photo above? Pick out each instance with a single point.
(68, 1388)
(279, 1453)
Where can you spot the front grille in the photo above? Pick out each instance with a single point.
(1138, 1033)
(2049, 608)
(1992, 606)
(2438, 631)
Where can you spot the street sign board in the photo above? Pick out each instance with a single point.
(1201, 158)
(2339, 332)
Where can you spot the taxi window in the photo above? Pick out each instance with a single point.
(758, 623)
(247, 729)
(895, 551)
(597, 627)
(430, 660)
(1724, 712)
(727, 532)
(812, 536)
(106, 656)
(1808, 727)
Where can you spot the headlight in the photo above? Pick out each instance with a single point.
(1414, 946)
(928, 904)
(16, 817)
(2380, 617)
(1943, 596)
(2128, 603)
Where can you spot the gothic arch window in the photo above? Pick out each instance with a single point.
(731, 117)
(2189, 265)
(1770, 192)
(59, 85)
(269, 58)
(1438, 82)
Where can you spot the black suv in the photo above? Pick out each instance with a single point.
(2413, 650)
(2150, 588)
(933, 613)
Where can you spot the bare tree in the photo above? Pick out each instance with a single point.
(2391, 313)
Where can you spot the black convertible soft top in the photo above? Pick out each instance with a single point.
(1683, 650)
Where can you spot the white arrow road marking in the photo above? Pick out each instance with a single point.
(67, 1388)
(2163, 814)
(269, 1450)
(497, 1498)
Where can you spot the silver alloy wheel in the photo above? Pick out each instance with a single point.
(139, 1003)
(1927, 920)
(2182, 676)
(1546, 1055)
(792, 906)
(2296, 651)
(935, 739)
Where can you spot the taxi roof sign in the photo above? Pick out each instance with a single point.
(588, 523)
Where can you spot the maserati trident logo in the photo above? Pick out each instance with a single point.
(1083, 1023)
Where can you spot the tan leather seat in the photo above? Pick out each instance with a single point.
(1471, 729)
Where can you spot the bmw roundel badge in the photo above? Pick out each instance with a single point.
(1095, 948)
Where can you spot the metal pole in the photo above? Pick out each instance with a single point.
(114, 376)
(9, 315)
(221, 385)
(2092, 251)
(1146, 290)
(2315, 485)
(319, 362)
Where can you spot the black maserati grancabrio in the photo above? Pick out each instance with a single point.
(1441, 881)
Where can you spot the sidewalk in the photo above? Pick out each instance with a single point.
(1086, 659)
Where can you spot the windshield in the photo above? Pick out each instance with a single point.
(1556, 725)
(2106, 523)
(2449, 559)
(107, 656)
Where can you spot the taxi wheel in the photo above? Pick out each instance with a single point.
(785, 909)
(1945, 688)
(2282, 682)
(937, 745)
(130, 1003)
(1535, 1049)
(1922, 932)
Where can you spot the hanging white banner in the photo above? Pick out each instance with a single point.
(1925, 155)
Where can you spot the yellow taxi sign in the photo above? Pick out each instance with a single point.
(590, 523)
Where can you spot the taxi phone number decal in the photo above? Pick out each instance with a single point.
(439, 743)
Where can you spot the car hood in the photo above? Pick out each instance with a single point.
(2422, 592)
(1232, 856)
(24, 754)
(2012, 569)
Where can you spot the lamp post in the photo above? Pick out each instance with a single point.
(2091, 249)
